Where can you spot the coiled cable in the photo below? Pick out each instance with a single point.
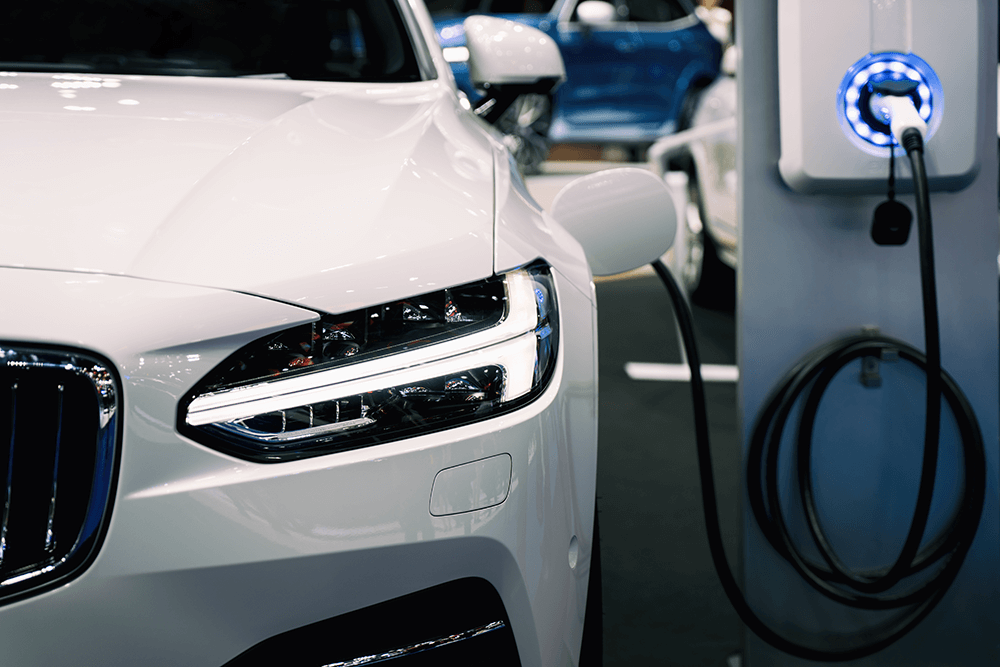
(810, 379)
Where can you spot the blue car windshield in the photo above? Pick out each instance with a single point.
(327, 40)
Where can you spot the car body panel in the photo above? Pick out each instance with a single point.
(626, 81)
(249, 187)
(198, 539)
(708, 151)
(631, 77)
(168, 234)
(715, 158)
(517, 243)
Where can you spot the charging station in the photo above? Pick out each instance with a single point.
(815, 145)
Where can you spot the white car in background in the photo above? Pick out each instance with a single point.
(292, 369)
(699, 164)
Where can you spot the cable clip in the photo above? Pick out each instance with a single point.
(871, 364)
(870, 376)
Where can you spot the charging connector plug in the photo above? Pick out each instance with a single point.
(904, 116)
(898, 98)
(891, 222)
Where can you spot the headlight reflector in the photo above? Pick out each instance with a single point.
(379, 374)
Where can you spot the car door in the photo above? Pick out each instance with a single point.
(632, 73)
(603, 64)
(673, 42)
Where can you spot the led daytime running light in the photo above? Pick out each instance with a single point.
(516, 357)
(460, 379)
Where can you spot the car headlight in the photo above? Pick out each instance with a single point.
(393, 371)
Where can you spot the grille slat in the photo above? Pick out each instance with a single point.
(8, 487)
(50, 538)
(60, 438)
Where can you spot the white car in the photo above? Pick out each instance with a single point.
(700, 166)
(292, 369)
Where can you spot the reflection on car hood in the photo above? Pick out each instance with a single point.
(332, 196)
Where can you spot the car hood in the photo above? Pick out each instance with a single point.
(331, 196)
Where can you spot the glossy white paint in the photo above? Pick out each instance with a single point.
(471, 486)
(305, 192)
(624, 218)
(730, 59)
(144, 218)
(525, 232)
(426, 36)
(596, 12)
(504, 52)
(197, 535)
(711, 145)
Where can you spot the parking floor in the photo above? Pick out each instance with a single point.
(663, 604)
(662, 600)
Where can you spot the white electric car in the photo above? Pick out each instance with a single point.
(700, 166)
(292, 368)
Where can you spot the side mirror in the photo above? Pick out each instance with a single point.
(624, 218)
(596, 12)
(509, 59)
(730, 56)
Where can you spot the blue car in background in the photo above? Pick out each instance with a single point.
(633, 69)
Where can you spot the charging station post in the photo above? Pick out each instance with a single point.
(810, 273)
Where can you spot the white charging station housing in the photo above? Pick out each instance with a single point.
(827, 53)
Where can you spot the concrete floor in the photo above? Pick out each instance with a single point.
(663, 604)
(662, 600)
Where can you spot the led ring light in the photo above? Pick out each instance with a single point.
(862, 117)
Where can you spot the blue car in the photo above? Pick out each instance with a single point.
(633, 67)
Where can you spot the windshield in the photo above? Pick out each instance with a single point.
(328, 40)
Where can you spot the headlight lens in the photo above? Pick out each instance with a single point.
(393, 371)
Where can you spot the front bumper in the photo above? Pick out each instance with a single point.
(207, 556)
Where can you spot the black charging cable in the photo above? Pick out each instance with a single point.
(808, 381)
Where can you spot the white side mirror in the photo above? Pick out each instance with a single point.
(729, 60)
(502, 52)
(624, 218)
(596, 12)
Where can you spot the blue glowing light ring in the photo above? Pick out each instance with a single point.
(867, 133)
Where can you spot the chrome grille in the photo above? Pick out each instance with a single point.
(58, 453)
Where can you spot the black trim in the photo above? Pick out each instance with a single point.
(440, 611)
(499, 97)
